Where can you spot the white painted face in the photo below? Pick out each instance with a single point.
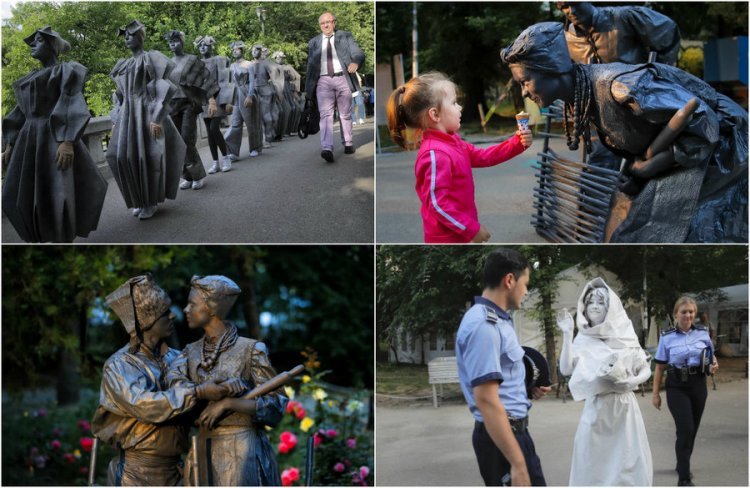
(596, 307)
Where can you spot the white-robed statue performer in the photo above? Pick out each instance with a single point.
(606, 363)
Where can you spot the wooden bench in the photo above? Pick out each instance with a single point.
(441, 371)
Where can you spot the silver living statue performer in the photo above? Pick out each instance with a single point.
(618, 34)
(606, 363)
(291, 93)
(136, 412)
(246, 107)
(261, 73)
(145, 150)
(233, 449)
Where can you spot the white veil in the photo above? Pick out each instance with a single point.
(605, 352)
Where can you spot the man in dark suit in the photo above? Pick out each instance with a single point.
(332, 58)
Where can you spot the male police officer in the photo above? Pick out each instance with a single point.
(492, 375)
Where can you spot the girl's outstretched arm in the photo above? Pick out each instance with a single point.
(494, 155)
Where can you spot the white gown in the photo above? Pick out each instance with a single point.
(611, 447)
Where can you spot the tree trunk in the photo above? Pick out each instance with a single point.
(68, 370)
(549, 339)
(244, 261)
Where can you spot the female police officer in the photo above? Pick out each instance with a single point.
(686, 353)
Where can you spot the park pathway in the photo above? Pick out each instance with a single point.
(287, 195)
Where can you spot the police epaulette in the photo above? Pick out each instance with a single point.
(668, 331)
(490, 315)
(699, 327)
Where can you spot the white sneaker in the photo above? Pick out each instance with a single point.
(136, 211)
(147, 212)
(361, 121)
(226, 164)
(184, 184)
(354, 122)
(232, 157)
(253, 154)
(266, 145)
(198, 184)
(214, 168)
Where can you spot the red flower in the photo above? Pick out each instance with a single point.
(317, 439)
(84, 470)
(290, 406)
(300, 413)
(289, 439)
(289, 476)
(84, 425)
(55, 444)
(331, 433)
(351, 443)
(86, 443)
(338, 467)
(69, 457)
(284, 448)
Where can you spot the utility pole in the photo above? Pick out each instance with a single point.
(414, 42)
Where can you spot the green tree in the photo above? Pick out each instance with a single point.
(50, 294)
(463, 39)
(91, 29)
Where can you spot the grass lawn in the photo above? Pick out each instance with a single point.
(407, 380)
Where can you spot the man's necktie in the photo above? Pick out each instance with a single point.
(329, 58)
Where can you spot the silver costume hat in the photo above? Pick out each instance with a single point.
(59, 45)
(132, 28)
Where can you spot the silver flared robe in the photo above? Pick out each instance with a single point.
(147, 169)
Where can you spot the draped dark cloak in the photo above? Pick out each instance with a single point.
(45, 204)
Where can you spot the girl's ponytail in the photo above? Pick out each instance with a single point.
(395, 113)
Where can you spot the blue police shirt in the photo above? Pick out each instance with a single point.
(682, 349)
(487, 349)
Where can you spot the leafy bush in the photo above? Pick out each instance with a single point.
(335, 425)
(49, 446)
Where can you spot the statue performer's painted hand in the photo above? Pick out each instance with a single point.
(212, 413)
(212, 107)
(233, 387)
(6, 155)
(155, 130)
(565, 321)
(229, 108)
(64, 157)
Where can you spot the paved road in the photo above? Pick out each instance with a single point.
(287, 195)
(503, 196)
(426, 446)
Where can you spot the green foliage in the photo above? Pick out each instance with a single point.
(336, 422)
(463, 39)
(99, 89)
(91, 29)
(320, 297)
(691, 60)
(49, 446)
(671, 270)
(425, 289)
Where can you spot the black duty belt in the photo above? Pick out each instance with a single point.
(340, 73)
(684, 372)
(517, 425)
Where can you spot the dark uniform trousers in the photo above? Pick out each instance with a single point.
(686, 401)
(493, 466)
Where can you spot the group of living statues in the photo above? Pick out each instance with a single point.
(152, 394)
(684, 144)
(53, 191)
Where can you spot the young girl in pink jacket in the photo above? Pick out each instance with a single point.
(445, 184)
